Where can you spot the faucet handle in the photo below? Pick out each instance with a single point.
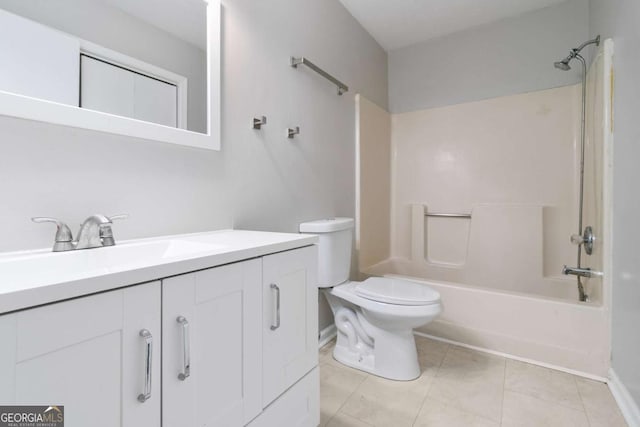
(64, 237)
(587, 240)
(106, 233)
(577, 239)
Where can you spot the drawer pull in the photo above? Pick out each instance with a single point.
(148, 362)
(186, 349)
(276, 308)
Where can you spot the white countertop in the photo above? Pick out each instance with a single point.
(33, 278)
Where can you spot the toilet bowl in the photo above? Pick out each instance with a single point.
(374, 318)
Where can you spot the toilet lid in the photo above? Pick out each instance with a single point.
(397, 291)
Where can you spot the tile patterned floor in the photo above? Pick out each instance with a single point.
(462, 387)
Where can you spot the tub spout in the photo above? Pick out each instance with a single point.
(582, 272)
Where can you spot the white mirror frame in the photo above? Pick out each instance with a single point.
(26, 107)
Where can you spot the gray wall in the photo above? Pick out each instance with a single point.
(618, 19)
(276, 182)
(100, 23)
(511, 56)
(260, 180)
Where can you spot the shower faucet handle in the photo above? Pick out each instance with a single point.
(577, 239)
(587, 239)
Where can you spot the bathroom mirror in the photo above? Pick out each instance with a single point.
(142, 68)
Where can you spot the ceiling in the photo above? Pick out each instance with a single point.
(400, 23)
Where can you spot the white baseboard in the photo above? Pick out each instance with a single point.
(628, 406)
(326, 335)
(511, 356)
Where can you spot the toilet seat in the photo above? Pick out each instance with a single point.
(347, 292)
(396, 291)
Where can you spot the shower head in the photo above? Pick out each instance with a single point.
(575, 53)
(562, 65)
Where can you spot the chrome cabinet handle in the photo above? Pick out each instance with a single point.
(148, 360)
(276, 308)
(186, 351)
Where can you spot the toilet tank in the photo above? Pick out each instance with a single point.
(334, 249)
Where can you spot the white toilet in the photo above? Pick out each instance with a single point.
(375, 318)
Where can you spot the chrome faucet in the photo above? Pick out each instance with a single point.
(89, 234)
(582, 272)
(95, 232)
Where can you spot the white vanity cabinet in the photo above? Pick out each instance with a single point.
(230, 345)
(211, 362)
(87, 354)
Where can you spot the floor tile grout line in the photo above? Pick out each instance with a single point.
(501, 359)
(347, 399)
(446, 353)
(546, 402)
(448, 404)
(426, 395)
(364, 378)
(573, 377)
(550, 401)
(350, 416)
(584, 407)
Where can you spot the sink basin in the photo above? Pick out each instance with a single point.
(146, 251)
(41, 267)
(32, 278)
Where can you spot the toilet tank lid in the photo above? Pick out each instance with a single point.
(326, 225)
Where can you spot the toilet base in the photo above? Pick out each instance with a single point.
(394, 356)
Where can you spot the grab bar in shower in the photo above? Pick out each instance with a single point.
(342, 88)
(448, 215)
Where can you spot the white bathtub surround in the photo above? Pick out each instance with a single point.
(509, 166)
(499, 247)
(501, 154)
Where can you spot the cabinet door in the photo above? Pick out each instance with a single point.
(211, 323)
(88, 355)
(299, 406)
(290, 313)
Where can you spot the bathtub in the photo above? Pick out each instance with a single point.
(552, 329)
